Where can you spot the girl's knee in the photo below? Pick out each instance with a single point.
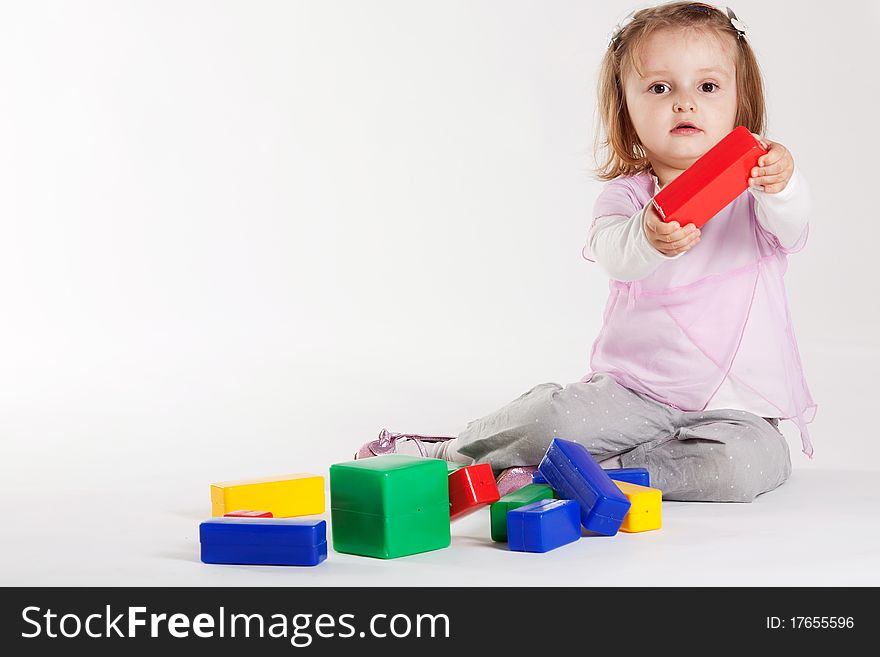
(749, 466)
(713, 487)
(712, 471)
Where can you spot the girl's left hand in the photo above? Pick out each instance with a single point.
(774, 169)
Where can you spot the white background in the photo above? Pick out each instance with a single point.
(239, 238)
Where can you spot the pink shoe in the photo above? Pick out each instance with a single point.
(386, 443)
(515, 478)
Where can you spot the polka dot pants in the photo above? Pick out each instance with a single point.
(706, 456)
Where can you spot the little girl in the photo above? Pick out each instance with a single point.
(696, 361)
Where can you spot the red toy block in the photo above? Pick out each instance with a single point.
(248, 514)
(471, 487)
(712, 182)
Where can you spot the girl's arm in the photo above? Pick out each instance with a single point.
(785, 213)
(620, 245)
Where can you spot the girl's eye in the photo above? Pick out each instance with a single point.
(654, 86)
(710, 84)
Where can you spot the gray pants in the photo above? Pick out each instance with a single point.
(708, 456)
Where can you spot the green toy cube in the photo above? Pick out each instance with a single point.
(514, 500)
(389, 506)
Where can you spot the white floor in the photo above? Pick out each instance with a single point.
(105, 482)
(818, 529)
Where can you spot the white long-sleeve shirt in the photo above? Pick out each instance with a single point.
(620, 246)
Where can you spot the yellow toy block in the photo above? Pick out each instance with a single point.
(644, 512)
(284, 495)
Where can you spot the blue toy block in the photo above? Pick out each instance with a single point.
(538, 478)
(264, 541)
(638, 476)
(573, 473)
(543, 526)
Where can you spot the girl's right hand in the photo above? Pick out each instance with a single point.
(670, 239)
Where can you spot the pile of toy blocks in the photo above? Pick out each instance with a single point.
(394, 505)
(571, 490)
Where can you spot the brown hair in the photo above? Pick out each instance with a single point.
(624, 154)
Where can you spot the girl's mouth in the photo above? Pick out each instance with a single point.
(685, 131)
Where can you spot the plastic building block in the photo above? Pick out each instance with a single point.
(470, 488)
(638, 476)
(523, 496)
(249, 514)
(264, 541)
(712, 182)
(543, 526)
(573, 472)
(644, 512)
(284, 496)
(389, 506)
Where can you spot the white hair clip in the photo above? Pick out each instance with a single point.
(615, 33)
(738, 25)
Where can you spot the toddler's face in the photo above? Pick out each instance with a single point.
(674, 87)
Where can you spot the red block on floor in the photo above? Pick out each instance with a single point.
(248, 514)
(471, 487)
(712, 182)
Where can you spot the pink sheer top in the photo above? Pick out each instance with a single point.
(720, 310)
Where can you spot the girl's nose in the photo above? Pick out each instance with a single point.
(681, 105)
